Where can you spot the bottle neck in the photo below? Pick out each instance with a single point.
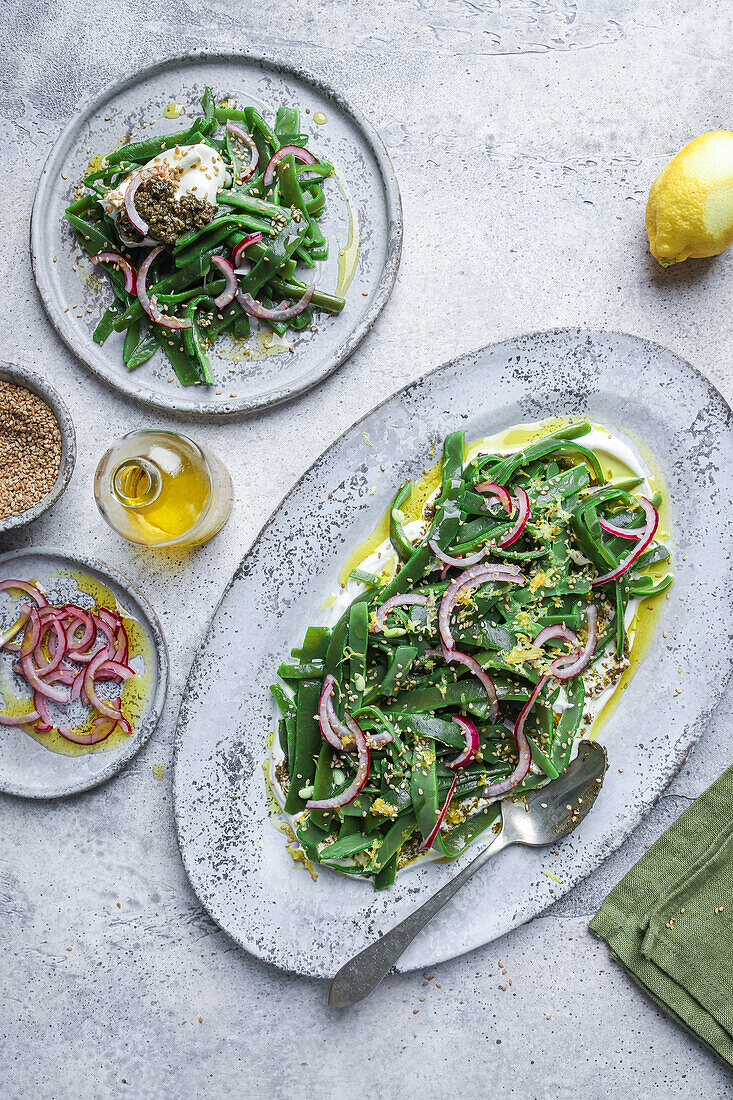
(136, 482)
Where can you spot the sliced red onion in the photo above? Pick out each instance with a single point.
(121, 722)
(27, 588)
(301, 154)
(470, 732)
(78, 616)
(448, 560)
(37, 684)
(104, 708)
(45, 722)
(57, 651)
(558, 631)
(621, 532)
(107, 630)
(114, 670)
(142, 175)
(476, 575)
(283, 312)
(335, 731)
(19, 719)
(238, 132)
(497, 491)
(563, 668)
(142, 275)
(32, 634)
(103, 727)
(430, 838)
(652, 522)
(523, 514)
(410, 599)
(30, 641)
(150, 305)
(62, 676)
(241, 247)
(77, 688)
(480, 673)
(120, 261)
(362, 773)
(332, 728)
(504, 786)
(111, 618)
(42, 668)
(227, 294)
(121, 646)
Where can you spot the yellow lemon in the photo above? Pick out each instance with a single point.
(690, 207)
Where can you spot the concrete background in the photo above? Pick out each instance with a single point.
(525, 136)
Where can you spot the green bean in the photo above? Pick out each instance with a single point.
(402, 545)
(144, 350)
(411, 694)
(285, 213)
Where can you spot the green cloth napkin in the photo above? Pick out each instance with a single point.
(661, 921)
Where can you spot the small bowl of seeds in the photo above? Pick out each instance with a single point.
(37, 446)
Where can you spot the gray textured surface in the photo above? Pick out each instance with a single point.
(547, 124)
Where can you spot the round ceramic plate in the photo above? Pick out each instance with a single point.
(235, 858)
(365, 194)
(27, 767)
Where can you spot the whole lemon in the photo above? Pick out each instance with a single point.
(690, 207)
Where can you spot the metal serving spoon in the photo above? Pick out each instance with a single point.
(543, 816)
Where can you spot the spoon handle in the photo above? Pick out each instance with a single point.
(357, 978)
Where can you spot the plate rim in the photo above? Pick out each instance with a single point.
(146, 731)
(644, 809)
(395, 230)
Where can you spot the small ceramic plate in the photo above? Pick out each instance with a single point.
(362, 201)
(27, 767)
(235, 856)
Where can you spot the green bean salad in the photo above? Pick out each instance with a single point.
(201, 230)
(468, 654)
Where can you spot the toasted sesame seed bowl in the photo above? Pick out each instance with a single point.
(20, 376)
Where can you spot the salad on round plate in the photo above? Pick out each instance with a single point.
(204, 230)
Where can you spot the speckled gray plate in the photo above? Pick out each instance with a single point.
(26, 767)
(346, 138)
(236, 859)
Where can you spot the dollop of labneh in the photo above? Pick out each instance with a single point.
(181, 195)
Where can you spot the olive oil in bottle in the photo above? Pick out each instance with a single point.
(159, 488)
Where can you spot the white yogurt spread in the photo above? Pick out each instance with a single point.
(196, 170)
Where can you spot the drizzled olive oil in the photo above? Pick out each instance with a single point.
(158, 488)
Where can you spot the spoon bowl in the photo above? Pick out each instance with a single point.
(546, 815)
(536, 818)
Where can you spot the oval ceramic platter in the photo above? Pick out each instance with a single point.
(27, 766)
(363, 217)
(236, 858)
